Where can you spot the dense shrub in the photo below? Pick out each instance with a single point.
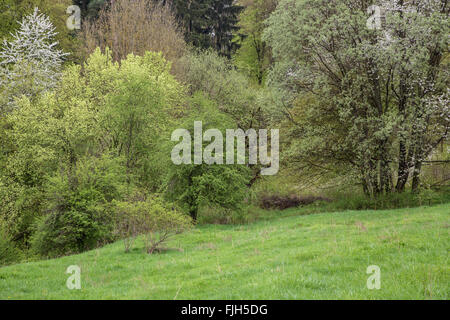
(39, 137)
(209, 214)
(9, 253)
(19, 208)
(104, 110)
(220, 185)
(357, 201)
(215, 76)
(79, 212)
(289, 201)
(151, 217)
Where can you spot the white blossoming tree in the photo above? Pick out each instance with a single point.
(371, 102)
(30, 63)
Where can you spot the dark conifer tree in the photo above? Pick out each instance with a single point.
(209, 23)
(223, 16)
(90, 8)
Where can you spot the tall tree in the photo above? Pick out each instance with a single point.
(254, 56)
(134, 26)
(223, 17)
(191, 15)
(13, 11)
(376, 98)
(209, 23)
(90, 8)
(31, 62)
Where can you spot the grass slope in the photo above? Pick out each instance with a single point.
(321, 256)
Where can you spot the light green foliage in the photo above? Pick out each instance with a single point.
(139, 113)
(153, 218)
(105, 111)
(9, 253)
(249, 107)
(77, 204)
(46, 135)
(253, 58)
(219, 185)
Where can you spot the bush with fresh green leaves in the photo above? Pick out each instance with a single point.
(43, 137)
(9, 253)
(78, 211)
(153, 218)
(104, 110)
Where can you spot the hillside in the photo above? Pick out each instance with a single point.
(321, 256)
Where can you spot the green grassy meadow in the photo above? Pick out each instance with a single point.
(318, 256)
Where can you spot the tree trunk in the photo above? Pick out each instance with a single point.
(193, 214)
(365, 187)
(403, 168)
(416, 176)
(385, 170)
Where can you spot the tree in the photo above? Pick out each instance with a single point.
(192, 15)
(12, 13)
(30, 63)
(209, 23)
(254, 56)
(78, 214)
(197, 185)
(234, 95)
(376, 96)
(134, 26)
(224, 20)
(90, 8)
(138, 113)
(248, 106)
(96, 136)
